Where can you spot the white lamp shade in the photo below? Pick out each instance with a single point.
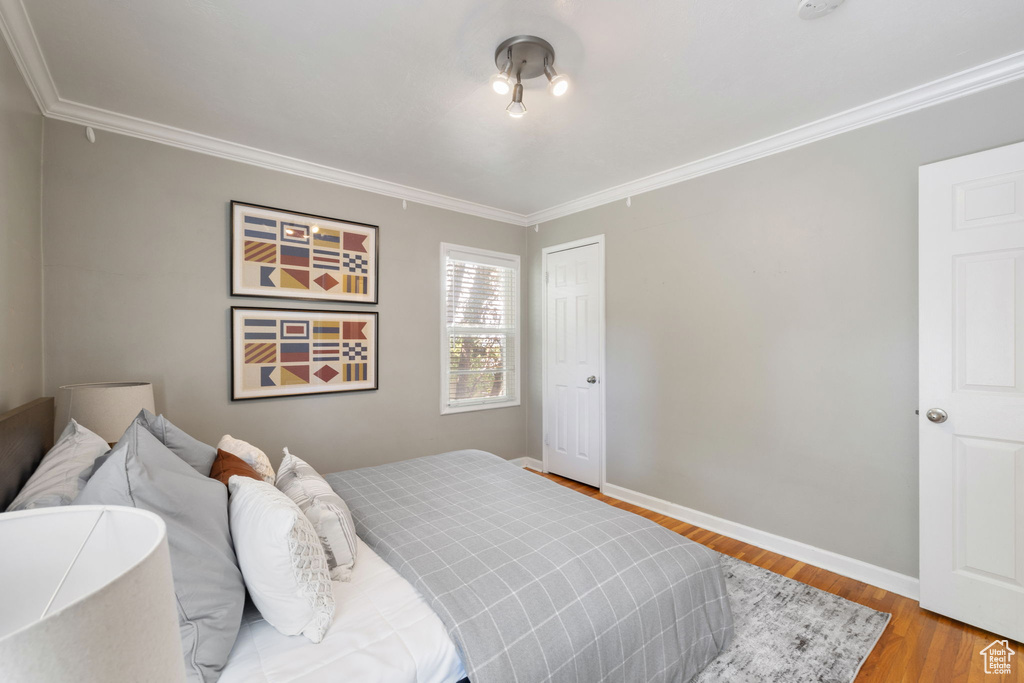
(106, 408)
(112, 617)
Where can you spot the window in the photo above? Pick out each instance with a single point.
(479, 329)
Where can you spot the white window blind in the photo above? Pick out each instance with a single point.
(480, 335)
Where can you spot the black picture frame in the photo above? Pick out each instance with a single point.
(240, 271)
(240, 360)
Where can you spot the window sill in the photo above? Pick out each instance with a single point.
(451, 410)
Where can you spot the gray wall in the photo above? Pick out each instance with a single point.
(762, 332)
(135, 258)
(21, 298)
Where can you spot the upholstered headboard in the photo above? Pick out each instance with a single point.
(26, 433)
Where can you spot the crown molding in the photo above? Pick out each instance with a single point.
(103, 119)
(20, 36)
(982, 77)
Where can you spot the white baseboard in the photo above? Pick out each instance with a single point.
(532, 463)
(802, 552)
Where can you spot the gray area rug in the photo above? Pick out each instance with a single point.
(789, 632)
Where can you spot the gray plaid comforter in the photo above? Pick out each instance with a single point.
(536, 582)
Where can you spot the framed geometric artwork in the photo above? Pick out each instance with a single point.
(291, 255)
(290, 352)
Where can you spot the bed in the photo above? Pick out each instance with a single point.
(470, 565)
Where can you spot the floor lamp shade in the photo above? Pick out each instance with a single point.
(88, 596)
(106, 408)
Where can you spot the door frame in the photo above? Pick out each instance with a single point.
(602, 383)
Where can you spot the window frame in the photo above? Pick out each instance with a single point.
(487, 257)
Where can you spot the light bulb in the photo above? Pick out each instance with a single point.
(559, 84)
(516, 108)
(499, 83)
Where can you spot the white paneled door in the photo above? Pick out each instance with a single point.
(972, 389)
(573, 361)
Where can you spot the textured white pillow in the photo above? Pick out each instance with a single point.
(282, 561)
(59, 477)
(325, 509)
(256, 458)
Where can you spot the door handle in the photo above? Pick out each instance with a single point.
(592, 379)
(937, 415)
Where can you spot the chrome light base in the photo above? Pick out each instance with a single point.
(528, 55)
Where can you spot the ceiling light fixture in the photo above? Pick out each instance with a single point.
(525, 57)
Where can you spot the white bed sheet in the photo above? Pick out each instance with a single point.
(383, 632)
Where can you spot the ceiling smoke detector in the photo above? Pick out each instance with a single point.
(815, 9)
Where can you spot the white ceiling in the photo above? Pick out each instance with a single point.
(398, 90)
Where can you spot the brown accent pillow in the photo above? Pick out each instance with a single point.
(226, 465)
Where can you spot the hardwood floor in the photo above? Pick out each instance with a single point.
(917, 645)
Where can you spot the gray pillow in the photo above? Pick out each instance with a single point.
(63, 471)
(196, 453)
(141, 472)
(328, 513)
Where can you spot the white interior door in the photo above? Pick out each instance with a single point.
(573, 361)
(972, 370)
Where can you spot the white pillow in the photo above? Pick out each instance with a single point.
(325, 509)
(59, 478)
(256, 458)
(281, 559)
